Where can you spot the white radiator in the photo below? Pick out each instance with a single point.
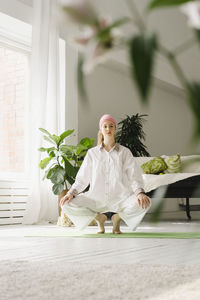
(13, 200)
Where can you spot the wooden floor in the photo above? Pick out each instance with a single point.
(15, 245)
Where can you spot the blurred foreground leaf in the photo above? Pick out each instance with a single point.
(197, 31)
(158, 197)
(81, 78)
(142, 52)
(164, 3)
(194, 102)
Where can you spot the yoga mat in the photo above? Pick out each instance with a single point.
(154, 235)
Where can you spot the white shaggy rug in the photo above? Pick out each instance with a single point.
(24, 280)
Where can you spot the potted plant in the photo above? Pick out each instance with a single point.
(62, 161)
(130, 134)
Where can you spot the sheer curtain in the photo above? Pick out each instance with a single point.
(42, 204)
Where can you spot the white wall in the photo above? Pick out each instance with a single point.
(111, 90)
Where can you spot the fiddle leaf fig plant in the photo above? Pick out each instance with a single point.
(63, 161)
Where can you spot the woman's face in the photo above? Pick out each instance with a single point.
(108, 129)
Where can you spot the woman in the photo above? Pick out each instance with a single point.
(116, 184)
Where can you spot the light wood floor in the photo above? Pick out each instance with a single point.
(15, 245)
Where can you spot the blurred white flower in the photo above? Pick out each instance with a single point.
(192, 11)
(81, 41)
(97, 43)
(99, 35)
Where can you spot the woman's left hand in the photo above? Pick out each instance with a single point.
(143, 200)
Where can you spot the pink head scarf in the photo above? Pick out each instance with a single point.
(106, 117)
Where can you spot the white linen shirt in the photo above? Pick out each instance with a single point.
(113, 177)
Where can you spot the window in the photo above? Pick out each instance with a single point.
(15, 40)
(13, 81)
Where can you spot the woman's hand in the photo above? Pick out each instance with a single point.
(143, 200)
(68, 197)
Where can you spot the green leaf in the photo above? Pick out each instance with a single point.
(70, 170)
(42, 149)
(194, 102)
(80, 148)
(79, 163)
(52, 154)
(58, 188)
(164, 3)
(81, 79)
(142, 52)
(197, 31)
(69, 179)
(67, 148)
(49, 140)
(44, 162)
(104, 34)
(159, 195)
(65, 134)
(56, 139)
(48, 175)
(57, 175)
(50, 149)
(82, 155)
(45, 131)
(49, 137)
(87, 142)
(47, 172)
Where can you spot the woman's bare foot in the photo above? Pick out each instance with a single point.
(116, 224)
(100, 219)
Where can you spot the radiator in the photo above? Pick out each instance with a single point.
(13, 201)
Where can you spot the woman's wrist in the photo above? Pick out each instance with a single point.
(140, 191)
(73, 192)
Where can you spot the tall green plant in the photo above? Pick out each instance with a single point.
(63, 161)
(130, 134)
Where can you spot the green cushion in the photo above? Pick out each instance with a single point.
(154, 166)
(173, 163)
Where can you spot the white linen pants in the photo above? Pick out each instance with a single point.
(82, 210)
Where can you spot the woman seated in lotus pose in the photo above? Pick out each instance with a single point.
(116, 185)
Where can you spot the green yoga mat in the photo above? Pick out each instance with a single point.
(154, 235)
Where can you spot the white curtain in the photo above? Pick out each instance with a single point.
(42, 204)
